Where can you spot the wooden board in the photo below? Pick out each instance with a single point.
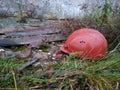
(27, 35)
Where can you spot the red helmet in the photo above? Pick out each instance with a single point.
(89, 43)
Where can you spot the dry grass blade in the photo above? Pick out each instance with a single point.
(106, 82)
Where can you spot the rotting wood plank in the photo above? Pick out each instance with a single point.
(47, 33)
(31, 39)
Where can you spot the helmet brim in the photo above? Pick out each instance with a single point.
(63, 49)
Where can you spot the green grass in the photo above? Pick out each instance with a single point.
(71, 73)
(7, 67)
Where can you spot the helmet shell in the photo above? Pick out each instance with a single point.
(89, 44)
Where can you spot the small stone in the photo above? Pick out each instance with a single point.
(53, 43)
(53, 58)
(2, 50)
(40, 50)
(49, 53)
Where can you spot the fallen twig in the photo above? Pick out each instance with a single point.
(115, 48)
(30, 62)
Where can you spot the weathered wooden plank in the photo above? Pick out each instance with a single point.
(33, 32)
(31, 39)
(18, 36)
